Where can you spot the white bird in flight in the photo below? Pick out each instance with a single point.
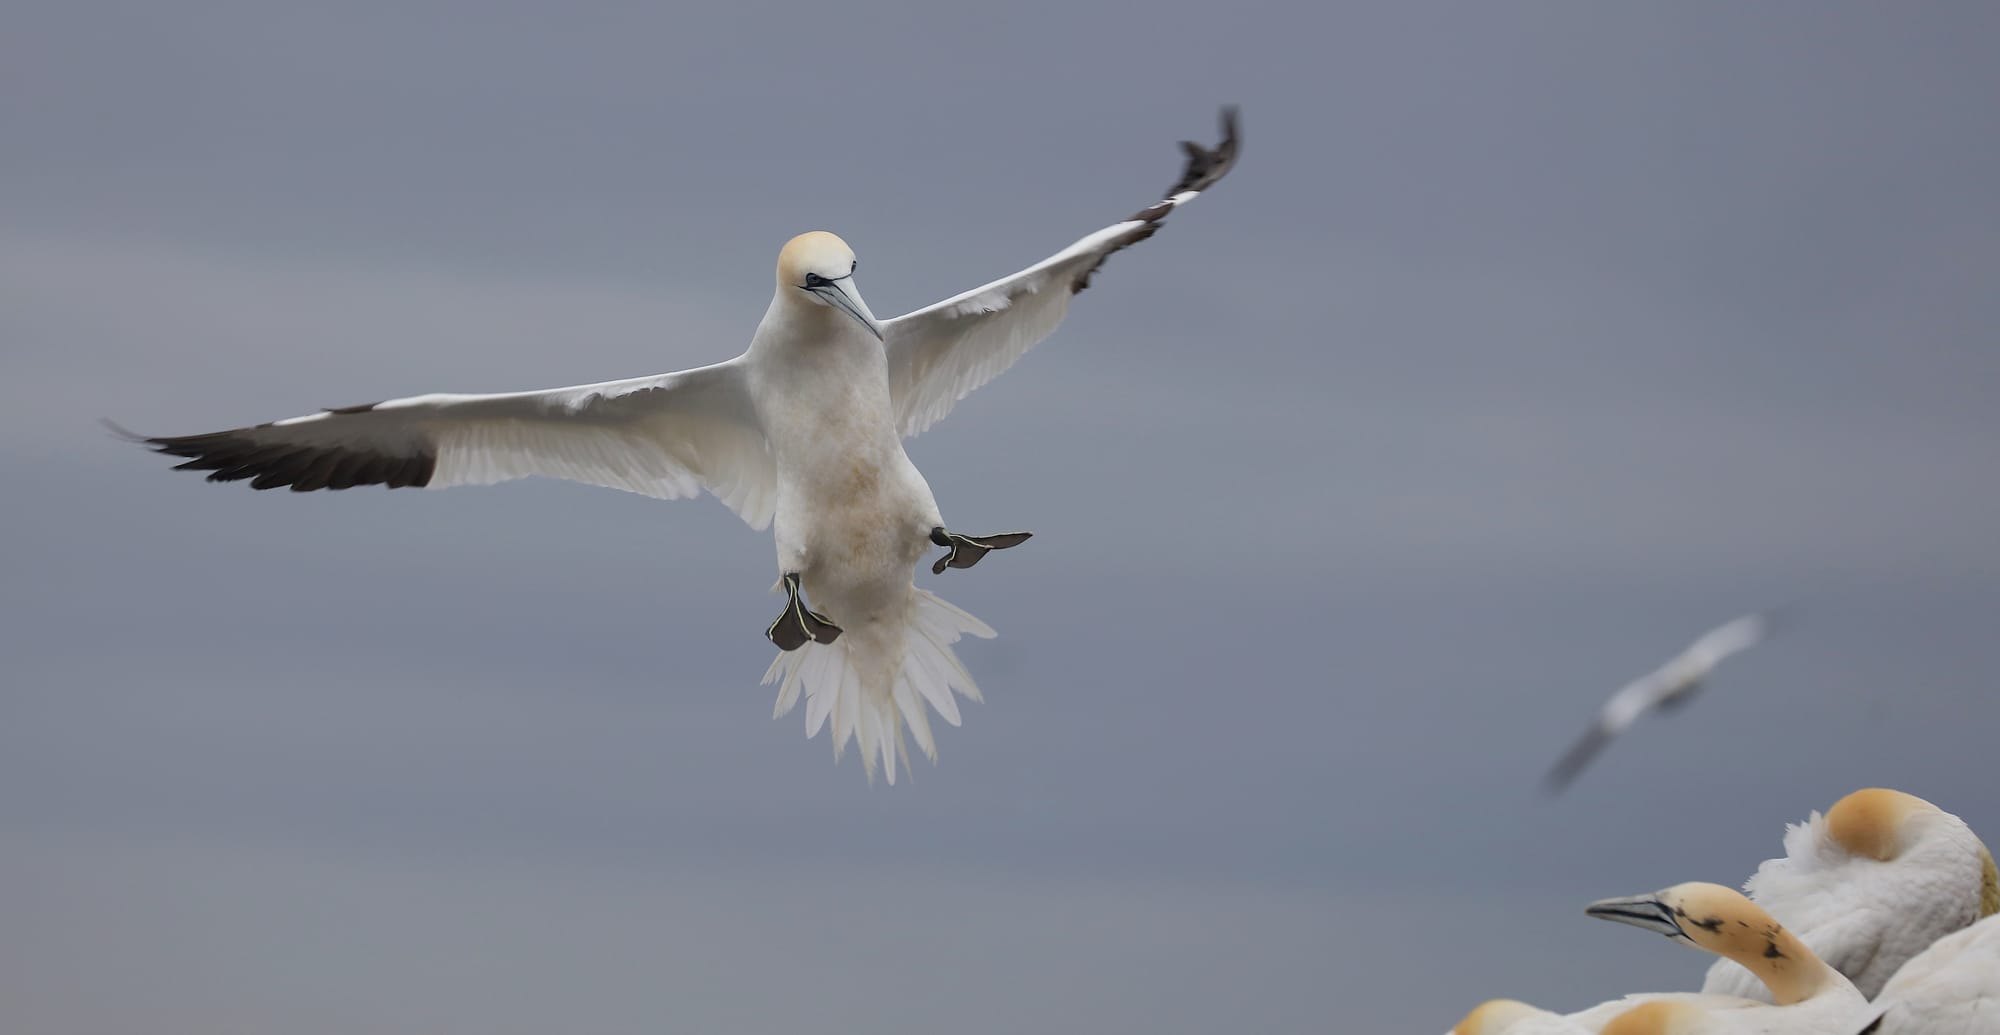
(1668, 686)
(806, 426)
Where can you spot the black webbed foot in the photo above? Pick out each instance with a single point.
(798, 624)
(966, 550)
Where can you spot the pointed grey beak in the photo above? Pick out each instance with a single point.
(1643, 911)
(842, 295)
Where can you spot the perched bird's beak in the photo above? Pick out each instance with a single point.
(1644, 911)
(843, 295)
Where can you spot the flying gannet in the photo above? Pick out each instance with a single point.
(1669, 686)
(1808, 996)
(805, 427)
(1869, 885)
(1951, 988)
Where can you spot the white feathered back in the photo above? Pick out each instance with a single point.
(1867, 916)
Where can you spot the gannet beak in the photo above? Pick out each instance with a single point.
(843, 295)
(1644, 911)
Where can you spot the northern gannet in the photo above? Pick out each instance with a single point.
(1513, 1017)
(805, 427)
(1951, 988)
(1811, 998)
(1868, 886)
(1668, 686)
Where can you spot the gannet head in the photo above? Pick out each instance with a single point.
(1660, 1017)
(1879, 823)
(1720, 920)
(1885, 825)
(1495, 1016)
(818, 267)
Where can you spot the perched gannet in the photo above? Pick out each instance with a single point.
(1811, 998)
(1660, 1017)
(1951, 988)
(1868, 886)
(1513, 1017)
(806, 426)
(1669, 686)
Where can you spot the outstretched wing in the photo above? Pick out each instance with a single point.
(1576, 758)
(668, 436)
(1731, 638)
(1615, 717)
(940, 353)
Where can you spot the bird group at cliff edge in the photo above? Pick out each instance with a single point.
(805, 428)
(1880, 919)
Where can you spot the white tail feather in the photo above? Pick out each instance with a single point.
(873, 683)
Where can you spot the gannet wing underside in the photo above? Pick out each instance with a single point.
(669, 436)
(939, 354)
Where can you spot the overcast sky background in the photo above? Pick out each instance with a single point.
(1525, 343)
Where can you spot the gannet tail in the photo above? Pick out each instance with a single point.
(876, 680)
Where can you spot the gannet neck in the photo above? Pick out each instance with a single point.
(1660, 1017)
(794, 318)
(1722, 921)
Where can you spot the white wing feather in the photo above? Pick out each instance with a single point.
(943, 352)
(668, 436)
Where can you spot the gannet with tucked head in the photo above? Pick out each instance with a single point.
(806, 426)
(1513, 1017)
(1810, 997)
(1868, 886)
(1671, 685)
(1661, 1017)
(1951, 988)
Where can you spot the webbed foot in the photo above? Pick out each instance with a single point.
(798, 624)
(966, 550)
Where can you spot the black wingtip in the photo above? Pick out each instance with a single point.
(1206, 165)
(1573, 762)
(119, 431)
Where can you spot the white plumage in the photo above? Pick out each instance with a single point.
(1811, 998)
(1669, 685)
(1513, 1017)
(1868, 886)
(1951, 988)
(803, 429)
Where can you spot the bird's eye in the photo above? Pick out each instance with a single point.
(815, 280)
(852, 266)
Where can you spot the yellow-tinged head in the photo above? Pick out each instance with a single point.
(1660, 1017)
(817, 268)
(1883, 825)
(1494, 1016)
(815, 252)
(1722, 921)
(1870, 822)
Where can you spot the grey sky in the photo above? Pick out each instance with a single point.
(1526, 342)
